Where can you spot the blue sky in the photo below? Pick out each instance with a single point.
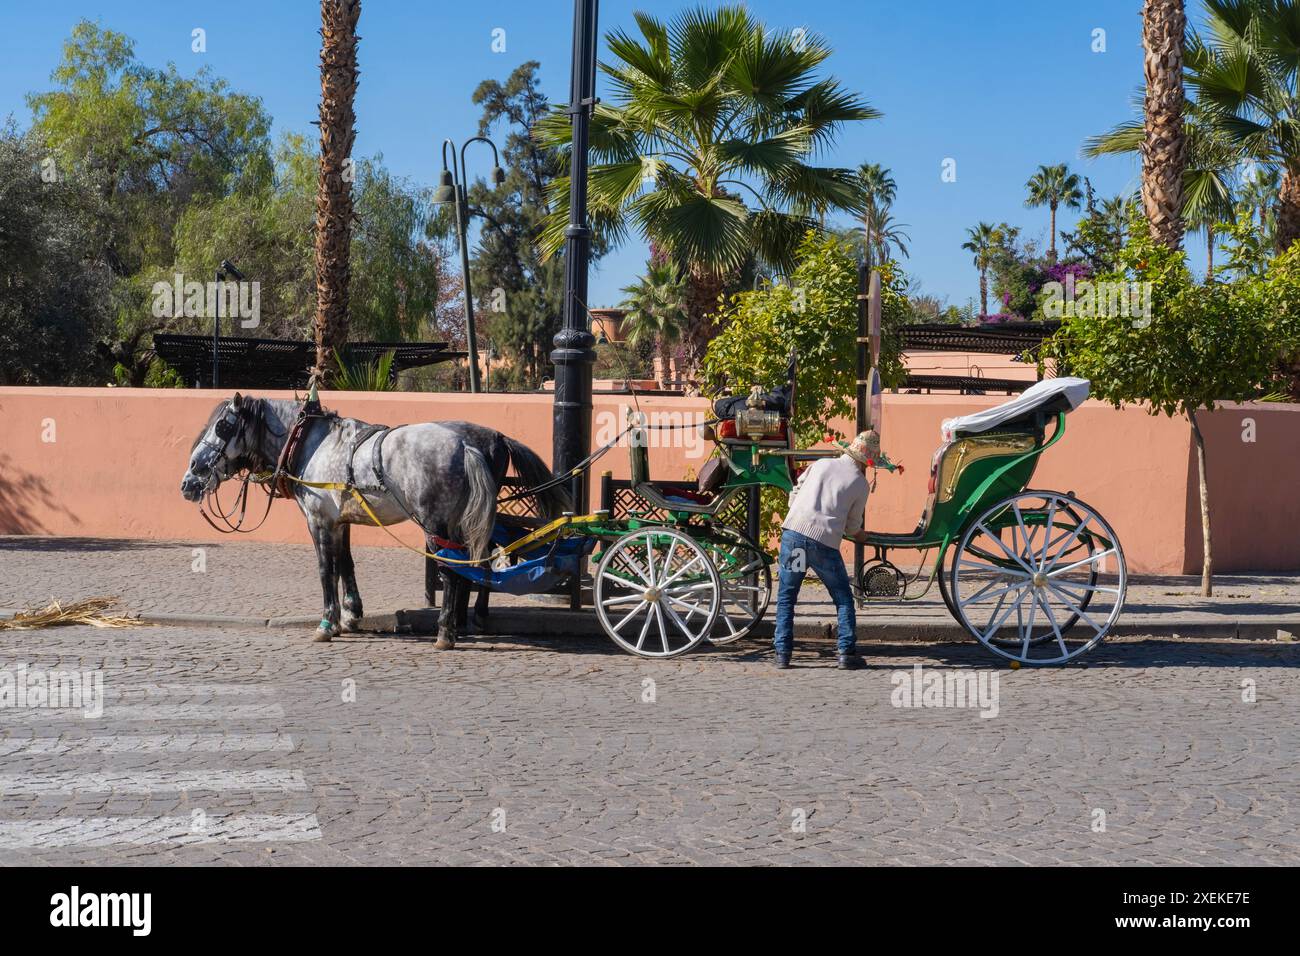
(998, 87)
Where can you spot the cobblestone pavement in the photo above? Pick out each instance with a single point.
(237, 746)
(258, 581)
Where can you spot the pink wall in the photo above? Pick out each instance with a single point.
(115, 464)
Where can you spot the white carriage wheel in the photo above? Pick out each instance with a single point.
(657, 592)
(1039, 578)
(746, 590)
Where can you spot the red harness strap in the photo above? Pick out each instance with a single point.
(282, 488)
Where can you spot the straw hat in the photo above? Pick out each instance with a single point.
(865, 448)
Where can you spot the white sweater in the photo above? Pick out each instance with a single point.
(829, 501)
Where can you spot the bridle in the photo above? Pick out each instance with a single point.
(233, 420)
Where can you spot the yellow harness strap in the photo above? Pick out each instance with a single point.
(546, 533)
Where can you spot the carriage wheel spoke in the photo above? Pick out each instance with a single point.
(1003, 545)
(680, 571)
(627, 617)
(1075, 609)
(980, 593)
(1074, 536)
(1047, 609)
(625, 599)
(645, 628)
(681, 625)
(663, 632)
(1088, 560)
(694, 607)
(998, 623)
(668, 558)
(1027, 633)
(1047, 535)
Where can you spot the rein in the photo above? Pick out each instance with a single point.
(277, 486)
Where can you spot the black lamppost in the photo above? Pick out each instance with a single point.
(451, 188)
(225, 270)
(573, 355)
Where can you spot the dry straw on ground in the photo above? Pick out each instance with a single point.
(92, 611)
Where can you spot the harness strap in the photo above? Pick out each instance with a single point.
(362, 436)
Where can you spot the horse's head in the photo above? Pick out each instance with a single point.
(228, 444)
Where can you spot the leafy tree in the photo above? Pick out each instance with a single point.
(656, 310)
(396, 268)
(149, 140)
(1099, 235)
(55, 287)
(814, 313)
(523, 317)
(1053, 187)
(1200, 346)
(704, 146)
(267, 231)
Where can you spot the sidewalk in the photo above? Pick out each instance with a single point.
(251, 583)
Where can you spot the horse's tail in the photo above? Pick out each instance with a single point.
(480, 512)
(532, 471)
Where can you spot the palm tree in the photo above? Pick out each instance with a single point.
(1209, 168)
(1245, 80)
(656, 310)
(338, 87)
(1259, 192)
(1164, 144)
(984, 240)
(1053, 187)
(704, 146)
(878, 192)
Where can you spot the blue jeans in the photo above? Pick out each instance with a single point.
(799, 554)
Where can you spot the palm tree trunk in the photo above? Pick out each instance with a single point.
(1164, 144)
(1051, 239)
(1288, 209)
(984, 292)
(703, 288)
(1207, 560)
(1209, 254)
(338, 87)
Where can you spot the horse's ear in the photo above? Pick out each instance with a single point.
(234, 402)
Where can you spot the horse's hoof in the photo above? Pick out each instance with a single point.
(323, 636)
(444, 643)
(351, 625)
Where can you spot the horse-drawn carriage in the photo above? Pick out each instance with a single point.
(1036, 576)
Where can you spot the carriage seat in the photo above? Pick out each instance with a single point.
(1024, 412)
(668, 497)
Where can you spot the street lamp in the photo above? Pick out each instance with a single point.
(451, 189)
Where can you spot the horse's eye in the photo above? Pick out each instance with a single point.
(225, 429)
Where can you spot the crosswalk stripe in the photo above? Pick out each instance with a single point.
(198, 689)
(110, 831)
(145, 744)
(148, 712)
(150, 782)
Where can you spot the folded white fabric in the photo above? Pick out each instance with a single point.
(1071, 391)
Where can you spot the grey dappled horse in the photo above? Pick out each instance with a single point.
(444, 475)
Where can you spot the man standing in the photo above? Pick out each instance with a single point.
(829, 502)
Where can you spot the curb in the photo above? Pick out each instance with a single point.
(562, 622)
